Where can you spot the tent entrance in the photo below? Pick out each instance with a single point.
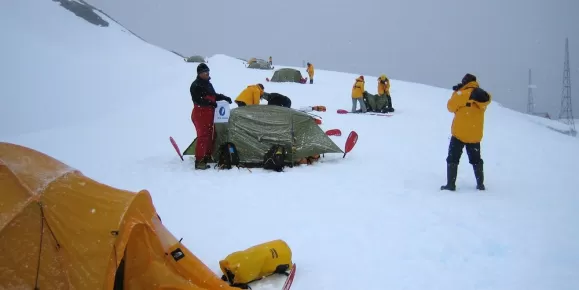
(120, 276)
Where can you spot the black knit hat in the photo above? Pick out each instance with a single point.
(261, 86)
(468, 78)
(202, 67)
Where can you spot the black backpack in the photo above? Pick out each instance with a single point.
(274, 158)
(228, 156)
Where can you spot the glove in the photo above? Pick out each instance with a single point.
(227, 99)
(457, 87)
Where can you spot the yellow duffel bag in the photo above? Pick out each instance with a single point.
(243, 267)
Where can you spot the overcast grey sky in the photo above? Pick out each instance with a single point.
(427, 41)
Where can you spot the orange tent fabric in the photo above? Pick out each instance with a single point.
(62, 230)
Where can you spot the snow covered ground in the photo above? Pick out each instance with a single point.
(103, 101)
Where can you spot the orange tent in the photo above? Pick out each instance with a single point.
(62, 230)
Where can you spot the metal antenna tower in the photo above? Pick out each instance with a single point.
(530, 98)
(566, 114)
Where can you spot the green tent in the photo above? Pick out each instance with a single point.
(287, 75)
(195, 58)
(260, 64)
(375, 102)
(254, 129)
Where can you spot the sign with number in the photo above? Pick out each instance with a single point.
(221, 112)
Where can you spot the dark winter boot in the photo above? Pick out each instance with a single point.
(201, 165)
(479, 175)
(311, 81)
(451, 171)
(390, 109)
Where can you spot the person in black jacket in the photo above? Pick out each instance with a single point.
(204, 103)
(276, 99)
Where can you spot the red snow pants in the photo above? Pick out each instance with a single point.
(202, 117)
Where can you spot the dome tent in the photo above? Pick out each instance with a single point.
(287, 75)
(258, 64)
(254, 129)
(62, 230)
(195, 58)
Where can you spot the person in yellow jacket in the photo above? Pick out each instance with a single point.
(358, 94)
(468, 103)
(384, 101)
(250, 96)
(310, 70)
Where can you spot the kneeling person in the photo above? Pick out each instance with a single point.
(276, 99)
(250, 95)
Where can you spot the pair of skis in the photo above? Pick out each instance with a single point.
(343, 112)
(288, 281)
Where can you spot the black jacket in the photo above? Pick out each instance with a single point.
(276, 99)
(200, 89)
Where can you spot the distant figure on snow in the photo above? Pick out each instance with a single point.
(468, 103)
(250, 96)
(270, 61)
(276, 99)
(384, 101)
(310, 70)
(357, 94)
(204, 103)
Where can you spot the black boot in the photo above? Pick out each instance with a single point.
(451, 171)
(201, 165)
(390, 109)
(479, 175)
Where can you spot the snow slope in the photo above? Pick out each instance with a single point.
(105, 102)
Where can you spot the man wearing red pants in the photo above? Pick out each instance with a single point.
(204, 103)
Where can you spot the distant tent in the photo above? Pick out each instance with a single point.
(195, 58)
(254, 129)
(287, 75)
(259, 64)
(60, 229)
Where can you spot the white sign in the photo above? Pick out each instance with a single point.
(221, 112)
